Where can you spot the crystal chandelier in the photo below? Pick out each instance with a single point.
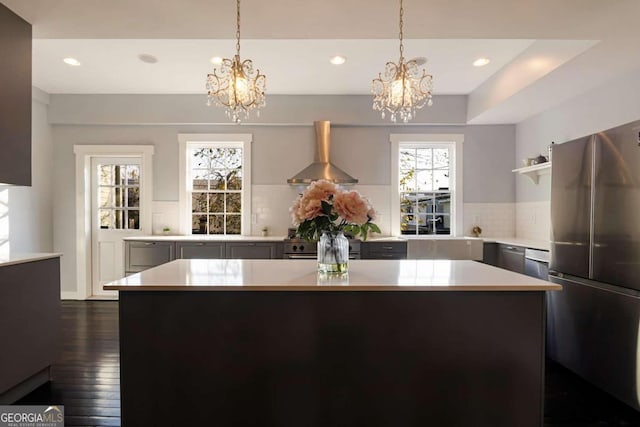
(402, 88)
(238, 87)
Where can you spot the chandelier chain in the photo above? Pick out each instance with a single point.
(401, 34)
(238, 27)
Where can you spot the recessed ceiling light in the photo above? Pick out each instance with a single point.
(338, 60)
(481, 62)
(148, 58)
(72, 61)
(216, 60)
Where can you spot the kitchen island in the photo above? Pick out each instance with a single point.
(271, 343)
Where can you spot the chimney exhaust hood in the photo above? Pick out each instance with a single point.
(321, 168)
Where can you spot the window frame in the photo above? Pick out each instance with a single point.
(189, 141)
(452, 141)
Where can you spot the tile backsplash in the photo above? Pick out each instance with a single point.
(533, 220)
(495, 219)
(270, 208)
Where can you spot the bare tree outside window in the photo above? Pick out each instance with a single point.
(216, 195)
(425, 194)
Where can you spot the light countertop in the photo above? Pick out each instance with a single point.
(13, 259)
(364, 275)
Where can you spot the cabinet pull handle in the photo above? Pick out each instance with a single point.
(388, 248)
(386, 255)
(199, 244)
(150, 243)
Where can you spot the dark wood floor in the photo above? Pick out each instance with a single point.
(87, 378)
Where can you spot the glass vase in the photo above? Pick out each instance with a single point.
(333, 253)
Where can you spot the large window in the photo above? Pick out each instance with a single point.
(216, 183)
(427, 184)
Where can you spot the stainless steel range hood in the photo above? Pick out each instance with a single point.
(321, 168)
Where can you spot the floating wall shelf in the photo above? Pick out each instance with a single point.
(534, 172)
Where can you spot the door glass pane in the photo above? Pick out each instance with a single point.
(119, 189)
(106, 219)
(133, 219)
(105, 174)
(133, 175)
(105, 197)
(118, 175)
(118, 197)
(119, 218)
(133, 197)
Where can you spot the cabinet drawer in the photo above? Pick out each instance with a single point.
(201, 250)
(140, 256)
(384, 250)
(254, 250)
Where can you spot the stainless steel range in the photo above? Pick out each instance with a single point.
(295, 248)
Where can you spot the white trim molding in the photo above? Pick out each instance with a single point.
(455, 141)
(241, 140)
(83, 154)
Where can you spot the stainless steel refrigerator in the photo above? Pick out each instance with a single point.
(594, 323)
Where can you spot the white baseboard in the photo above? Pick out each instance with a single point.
(71, 295)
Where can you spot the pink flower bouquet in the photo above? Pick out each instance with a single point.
(326, 207)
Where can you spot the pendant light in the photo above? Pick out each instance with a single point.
(402, 88)
(237, 87)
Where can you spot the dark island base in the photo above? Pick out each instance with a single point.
(332, 358)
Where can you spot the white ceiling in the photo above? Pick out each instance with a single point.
(291, 66)
(584, 43)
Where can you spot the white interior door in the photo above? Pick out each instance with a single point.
(116, 187)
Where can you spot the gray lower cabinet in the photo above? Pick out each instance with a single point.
(202, 250)
(30, 334)
(141, 255)
(511, 258)
(384, 250)
(490, 253)
(254, 250)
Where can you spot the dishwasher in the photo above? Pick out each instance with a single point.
(536, 263)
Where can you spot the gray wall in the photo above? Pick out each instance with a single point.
(607, 106)
(280, 152)
(360, 144)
